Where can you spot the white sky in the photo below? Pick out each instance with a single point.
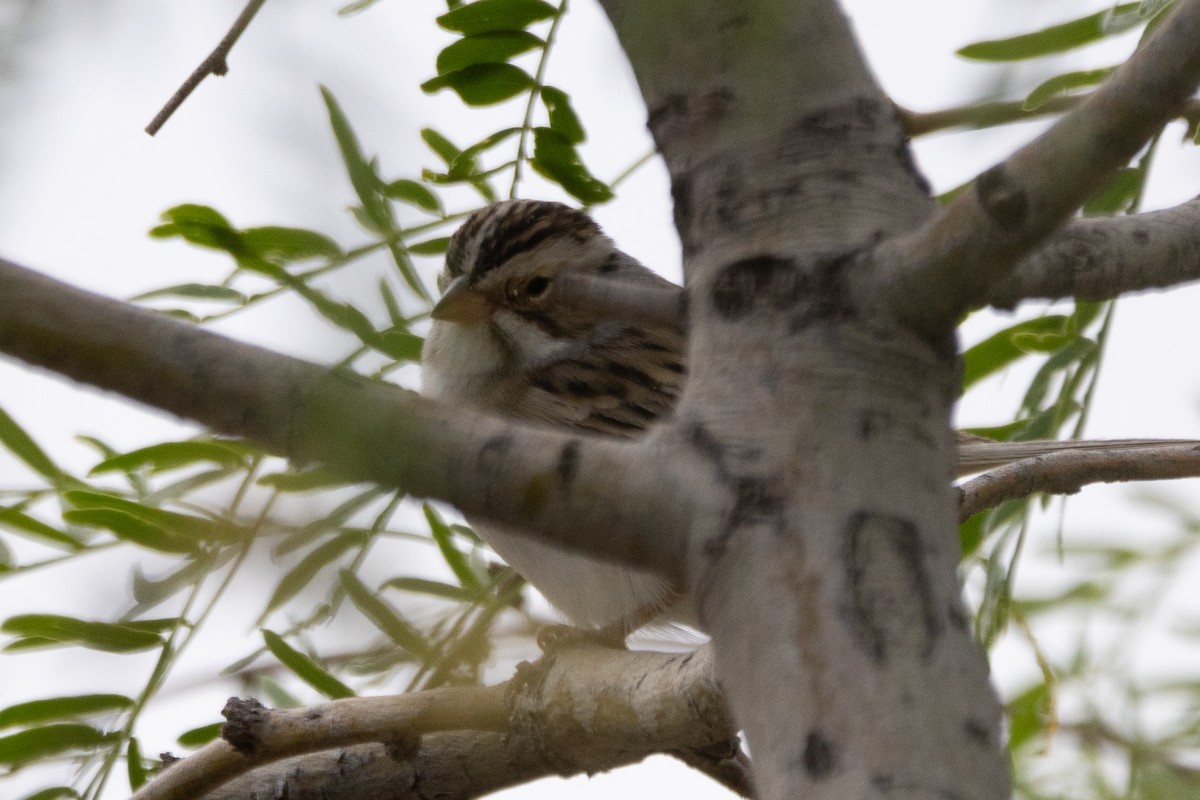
(82, 183)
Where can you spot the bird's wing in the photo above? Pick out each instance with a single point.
(621, 385)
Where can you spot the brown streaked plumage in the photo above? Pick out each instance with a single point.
(501, 340)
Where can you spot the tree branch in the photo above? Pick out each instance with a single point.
(1098, 259)
(214, 64)
(1004, 112)
(950, 264)
(1066, 472)
(581, 709)
(516, 474)
(254, 735)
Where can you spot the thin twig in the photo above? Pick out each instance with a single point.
(1068, 471)
(214, 64)
(1006, 112)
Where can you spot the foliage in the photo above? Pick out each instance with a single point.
(204, 505)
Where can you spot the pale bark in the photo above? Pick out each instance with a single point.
(1098, 259)
(605, 496)
(1068, 471)
(823, 555)
(581, 709)
(977, 240)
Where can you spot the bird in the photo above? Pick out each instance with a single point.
(503, 340)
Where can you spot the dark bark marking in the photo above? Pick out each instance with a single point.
(244, 718)
(743, 284)
(681, 198)
(404, 749)
(820, 756)
(728, 196)
(958, 620)
(673, 105)
(708, 446)
(1002, 198)
(497, 446)
(888, 585)
(870, 423)
(979, 733)
(1140, 236)
(754, 501)
(568, 464)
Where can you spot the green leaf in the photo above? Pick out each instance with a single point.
(273, 691)
(971, 534)
(195, 291)
(303, 481)
(563, 118)
(482, 84)
(386, 618)
(305, 668)
(355, 7)
(105, 636)
(133, 764)
(1057, 38)
(1119, 195)
(495, 15)
(199, 225)
(54, 793)
(290, 244)
(173, 455)
(302, 574)
(430, 247)
(446, 150)
(447, 591)
(31, 528)
(39, 743)
(149, 592)
(486, 48)
(34, 712)
(183, 524)
(1061, 84)
(131, 529)
(455, 558)
(556, 159)
(333, 519)
(401, 345)
(414, 193)
(198, 737)
(362, 175)
(466, 163)
(1000, 349)
(1027, 715)
(22, 445)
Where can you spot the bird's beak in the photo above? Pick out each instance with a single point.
(463, 304)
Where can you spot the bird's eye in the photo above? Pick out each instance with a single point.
(537, 287)
(532, 290)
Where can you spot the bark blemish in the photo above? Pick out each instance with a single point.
(820, 756)
(244, 718)
(568, 464)
(746, 283)
(891, 606)
(1002, 198)
(703, 440)
(978, 732)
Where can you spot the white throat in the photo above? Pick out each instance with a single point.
(462, 363)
